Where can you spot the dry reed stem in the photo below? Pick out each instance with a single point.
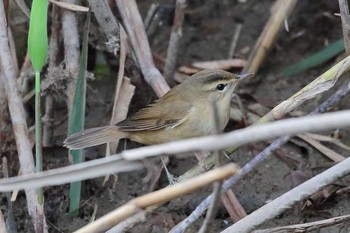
(124, 91)
(108, 23)
(76, 172)
(159, 196)
(175, 36)
(136, 32)
(18, 119)
(69, 6)
(307, 227)
(70, 34)
(287, 200)
(52, 60)
(281, 11)
(234, 42)
(238, 212)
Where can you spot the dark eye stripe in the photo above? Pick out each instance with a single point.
(216, 78)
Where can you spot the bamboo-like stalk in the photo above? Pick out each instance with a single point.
(159, 196)
(280, 13)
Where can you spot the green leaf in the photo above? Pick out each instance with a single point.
(315, 59)
(37, 37)
(77, 119)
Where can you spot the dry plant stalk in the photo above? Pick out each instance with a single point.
(175, 36)
(124, 91)
(76, 172)
(52, 60)
(70, 6)
(138, 37)
(16, 108)
(307, 227)
(281, 10)
(5, 128)
(238, 212)
(108, 23)
(137, 204)
(71, 50)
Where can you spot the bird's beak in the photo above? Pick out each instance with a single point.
(243, 76)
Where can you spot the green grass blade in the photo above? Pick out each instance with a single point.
(37, 36)
(38, 46)
(315, 59)
(77, 119)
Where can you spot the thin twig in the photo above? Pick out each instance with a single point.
(235, 41)
(76, 172)
(217, 186)
(173, 48)
(127, 224)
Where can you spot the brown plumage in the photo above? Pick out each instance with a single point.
(184, 112)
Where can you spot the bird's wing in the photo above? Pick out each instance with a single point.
(161, 114)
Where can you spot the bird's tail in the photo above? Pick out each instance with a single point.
(93, 137)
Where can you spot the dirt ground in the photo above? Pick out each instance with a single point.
(207, 35)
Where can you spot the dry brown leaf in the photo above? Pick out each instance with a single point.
(122, 106)
(320, 197)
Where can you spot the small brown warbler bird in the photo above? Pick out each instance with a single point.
(184, 112)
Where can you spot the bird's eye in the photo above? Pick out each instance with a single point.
(220, 86)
